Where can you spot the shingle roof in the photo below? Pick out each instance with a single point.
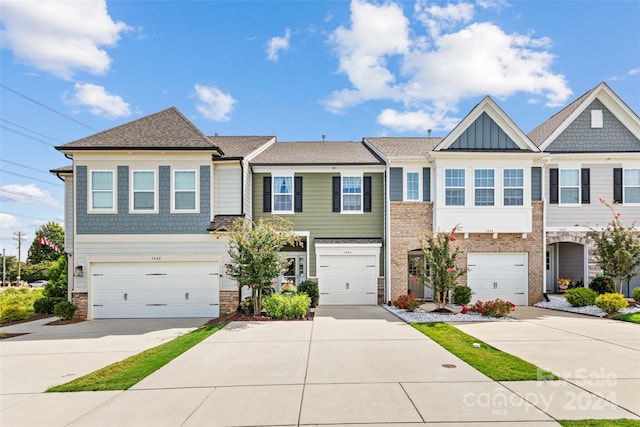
(404, 146)
(223, 222)
(542, 132)
(166, 130)
(63, 169)
(317, 153)
(239, 146)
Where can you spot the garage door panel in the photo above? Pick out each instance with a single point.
(499, 275)
(347, 280)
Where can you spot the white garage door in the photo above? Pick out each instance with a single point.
(348, 280)
(498, 275)
(163, 289)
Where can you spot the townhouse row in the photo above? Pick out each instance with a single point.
(148, 204)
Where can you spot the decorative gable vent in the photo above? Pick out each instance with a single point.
(596, 119)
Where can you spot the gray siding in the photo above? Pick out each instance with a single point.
(484, 134)
(395, 185)
(68, 213)
(571, 261)
(163, 222)
(580, 137)
(228, 184)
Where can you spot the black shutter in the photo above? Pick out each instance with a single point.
(426, 184)
(336, 194)
(585, 184)
(297, 194)
(395, 184)
(536, 183)
(553, 186)
(367, 194)
(617, 185)
(266, 194)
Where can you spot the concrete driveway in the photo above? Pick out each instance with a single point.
(351, 365)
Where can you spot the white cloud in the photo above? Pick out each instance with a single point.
(100, 102)
(277, 44)
(634, 71)
(213, 103)
(9, 222)
(60, 37)
(27, 194)
(442, 59)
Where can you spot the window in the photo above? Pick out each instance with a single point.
(282, 194)
(569, 186)
(631, 180)
(351, 194)
(184, 190)
(413, 186)
(144, 190)
(102, 194)
(513, 187)
(484, 187)
(415, 262)
(454, 187)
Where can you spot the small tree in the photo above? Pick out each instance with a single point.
(254, 249)
(440, 271)
(618, 249)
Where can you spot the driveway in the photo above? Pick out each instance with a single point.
(351, 365)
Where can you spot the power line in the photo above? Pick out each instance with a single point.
(28, 136)
(29, 177)
(25, 166)
(4, 190)
(30, 130)
(53, 110)
(25, 216)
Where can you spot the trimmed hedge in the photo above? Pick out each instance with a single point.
(580, 297)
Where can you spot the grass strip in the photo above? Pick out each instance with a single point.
(496, 364)
(629, 317)
(128, 372)
(623, 422)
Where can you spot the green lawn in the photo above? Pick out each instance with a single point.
(497, 365)
(128, 372)
(600, 423)
(631, 317)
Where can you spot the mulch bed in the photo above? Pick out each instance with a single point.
(28, 319)
(238, 316)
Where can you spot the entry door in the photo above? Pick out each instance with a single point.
(550, 266)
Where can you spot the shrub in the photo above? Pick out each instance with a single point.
(406, 302)
(279, 306)
(495, 308)
(13, 313)
(580, 297)
(45, 305)
(602, 284)
(636, 294)
(310, 288)
(65, 310)
(461, 295)
(21, 298)
(611, 302)
(288, 288)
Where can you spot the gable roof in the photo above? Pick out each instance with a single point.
(317, 153)
(239, 147)
(403, 146)
(548, 131)
(488, 110)
(165, 130)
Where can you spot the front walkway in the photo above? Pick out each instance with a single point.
(351, 365)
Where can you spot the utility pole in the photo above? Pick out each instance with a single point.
(19, 236)
(4, 267)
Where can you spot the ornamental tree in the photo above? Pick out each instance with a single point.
(254, 249)
(440, 271)
(618, 249)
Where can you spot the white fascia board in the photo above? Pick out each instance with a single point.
(260, 149)
(375, 150)
(601, 157)
(490, 155)
(409, 159)
(345, 169)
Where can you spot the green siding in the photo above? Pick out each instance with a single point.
(316, 216)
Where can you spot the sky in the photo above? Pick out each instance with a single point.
(294, 69)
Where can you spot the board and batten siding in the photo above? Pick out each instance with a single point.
(589, 214)
(228, 189)
(318, 219)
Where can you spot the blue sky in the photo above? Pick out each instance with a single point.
(294, 69)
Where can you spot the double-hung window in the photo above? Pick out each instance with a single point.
(102, 191)
(283, 194)
(413, 186)
(631, 183)
(484, 184)
(144, 191)
(569, 184)
(351, 194)
(513, 187)
(185, 190)
(454, 187)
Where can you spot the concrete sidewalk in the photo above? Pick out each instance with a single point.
(351, 365)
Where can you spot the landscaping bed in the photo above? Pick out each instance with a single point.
(557, 302)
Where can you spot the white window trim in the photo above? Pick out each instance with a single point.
(524, 180)
(495, 190)
(173, 191)
(342, 194)
(405, 185)
(560, 186)
(464, 187)
(273, 194)
(155, 193)
(114, 208)
(624, 188)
